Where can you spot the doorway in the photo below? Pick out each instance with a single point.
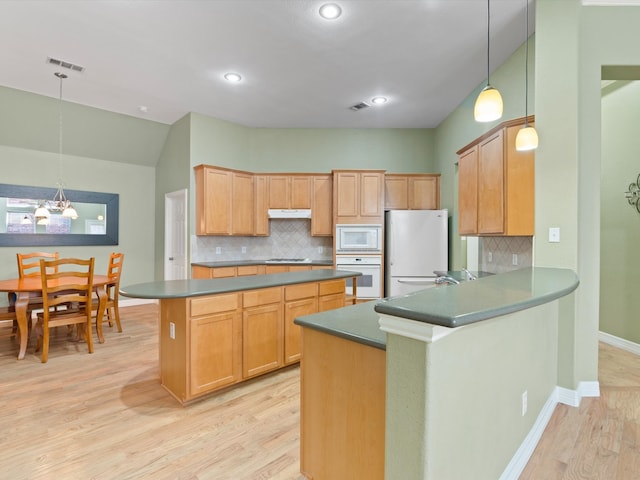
(175, 235)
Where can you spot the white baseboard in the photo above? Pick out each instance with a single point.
(559, 395)
(619, 342)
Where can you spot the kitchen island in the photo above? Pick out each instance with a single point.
(449, 382)
(218, 332)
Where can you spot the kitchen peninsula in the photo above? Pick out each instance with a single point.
(218, 332)
(448, 382)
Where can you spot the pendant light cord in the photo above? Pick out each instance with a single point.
(488, 38)
(61, 76)
(526, 69)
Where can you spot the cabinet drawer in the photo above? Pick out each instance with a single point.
(263, 296)
(222, 272)
(247, 270)
(214, 304)
(334, 286)
(303, 290)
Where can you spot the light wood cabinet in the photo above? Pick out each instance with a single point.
(224, 201)
(358, 196)
(496, 184)
(411, 191)
(210, 342)
(322, 205)
(261, 205)
(289, 191)
(262, 337)
(214, 322)
(300, 300)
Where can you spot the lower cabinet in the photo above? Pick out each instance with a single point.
(214, 341)
(262, 340)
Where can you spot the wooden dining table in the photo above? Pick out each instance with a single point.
(31, 287)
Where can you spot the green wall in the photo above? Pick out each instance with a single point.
(620, 222)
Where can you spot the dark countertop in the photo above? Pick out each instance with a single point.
(240, 263)
(487, 297)
(199, 287)
(358, 323)
(448, 305)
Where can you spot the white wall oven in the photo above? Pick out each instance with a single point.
(360, 239)
(369, 285)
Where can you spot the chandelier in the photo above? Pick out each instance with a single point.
(59, 203)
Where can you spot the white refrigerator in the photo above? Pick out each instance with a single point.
(416, 244)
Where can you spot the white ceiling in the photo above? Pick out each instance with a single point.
(299, 70)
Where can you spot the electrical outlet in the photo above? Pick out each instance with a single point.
(490, 257)
(244, 249)
(514, 259)
(218, 250)
(554, 234)
(524, 403)
(172, 330)
(320, 249)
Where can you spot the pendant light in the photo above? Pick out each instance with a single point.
(488, 105)
(527, 137)
(59, 201)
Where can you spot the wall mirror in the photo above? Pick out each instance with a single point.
(97, 222)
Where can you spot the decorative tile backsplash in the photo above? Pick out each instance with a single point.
(289, 238)
(497, 254)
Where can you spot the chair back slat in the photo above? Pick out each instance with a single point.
(29, 263)
(77, 286)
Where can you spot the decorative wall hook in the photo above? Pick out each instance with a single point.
(633, 194)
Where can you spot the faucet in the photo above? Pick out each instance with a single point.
(470, 276)
(446, 279)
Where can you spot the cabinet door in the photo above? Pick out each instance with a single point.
(372, 195)
(200, 272)
(276, 269)
(331, 302)
(520, 183)
(223, 272)
(300, 187)
(396, 192)
(347, 198)
(215, 352)
(242, 201)
(423, 192)
(279, 192)
(322, 205)
(261, 205)
(491, 185)
(292, 337)
(468, 192)
(215, 211)
(262, 344)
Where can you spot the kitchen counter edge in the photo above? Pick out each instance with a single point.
(198, 287)
(243, 263)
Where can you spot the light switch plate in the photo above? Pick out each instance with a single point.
(554, 234)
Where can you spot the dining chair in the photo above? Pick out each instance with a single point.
(111, 309)
(8, 313)
(66, 281)
(29, 266)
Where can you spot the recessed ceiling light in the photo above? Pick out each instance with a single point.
(232, 77)
(330, 11)
(143, 108)
(379, 100)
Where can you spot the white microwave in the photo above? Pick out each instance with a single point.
(358, 238)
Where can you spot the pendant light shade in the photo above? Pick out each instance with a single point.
(527, 137)
(488, 105)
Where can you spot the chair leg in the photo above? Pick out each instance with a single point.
(89, 335)
(45, 345)
(116, 314)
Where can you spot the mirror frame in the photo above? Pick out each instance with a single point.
(110, 200)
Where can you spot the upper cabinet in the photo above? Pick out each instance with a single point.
(322, 206)
(358, 196)
(496, 184)
(413, 191)
(224, 201)
(289, 191)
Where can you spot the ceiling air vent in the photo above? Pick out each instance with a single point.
(63, 64)
(359, 106)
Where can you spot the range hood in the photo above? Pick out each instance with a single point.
(289, 213)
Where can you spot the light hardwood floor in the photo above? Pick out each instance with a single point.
(105, 416)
